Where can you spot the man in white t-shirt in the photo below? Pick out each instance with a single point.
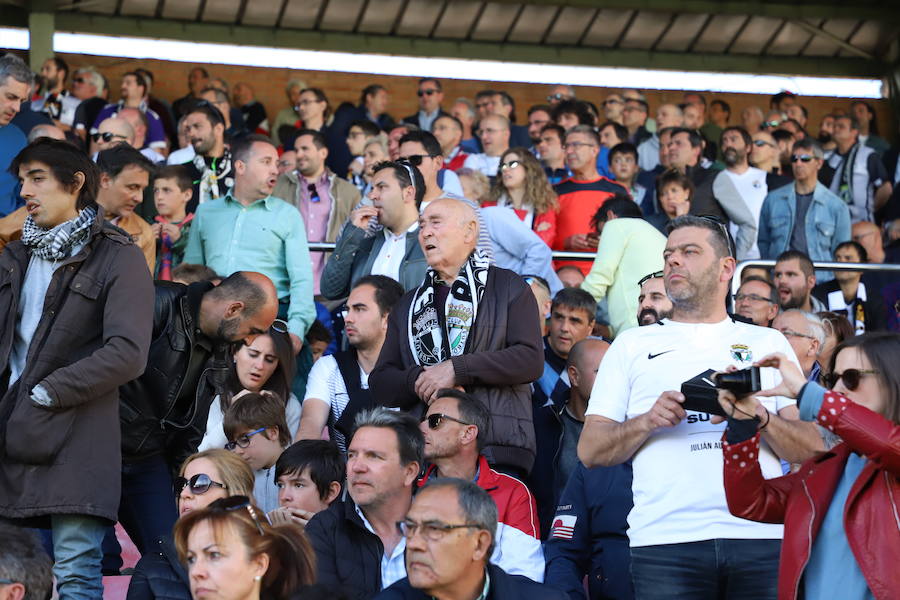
(684, 542)
(338, 385)
(747, 184)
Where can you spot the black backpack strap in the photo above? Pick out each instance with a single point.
(359, 399)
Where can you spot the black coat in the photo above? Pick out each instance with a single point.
(153, 421)
(348, 556)
(503, 587)
(159, 575)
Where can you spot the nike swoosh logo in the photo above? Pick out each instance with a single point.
(652, 356)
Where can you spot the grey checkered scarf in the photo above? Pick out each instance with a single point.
(57, 243)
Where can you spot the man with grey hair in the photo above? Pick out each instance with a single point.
(805, 216)
(16, 80)
(805, 332)
(450, 531)
(359, 549)
(25, 572)
(89, 86)
(48, 131)
(288, 118)
(435, 339)
(680, 521)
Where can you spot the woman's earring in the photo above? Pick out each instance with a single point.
(257, 578)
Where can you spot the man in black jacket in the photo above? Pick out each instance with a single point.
(163, 412)
(450, 531)
(359, 549)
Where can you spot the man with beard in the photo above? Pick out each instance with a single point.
(211, 168)
(680, 522)
(56, 102)
(740, 182)
(163, 412)
(251, 229)
(795, 279)
(653, 304)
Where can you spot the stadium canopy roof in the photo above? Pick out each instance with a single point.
(855, 38)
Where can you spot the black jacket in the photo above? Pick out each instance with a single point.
(153, 421)
(159, 575)
(503, 587)
(348, 556)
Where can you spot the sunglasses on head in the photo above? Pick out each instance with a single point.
(280, 326)
(242, 441)
(199, 484)
(421, 93)
(646, 278)
(233, 503)
(802, 158)
(435, 419)
(850, 377)
(106, 136)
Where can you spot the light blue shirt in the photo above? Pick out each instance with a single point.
(393, 565)
(268, 237)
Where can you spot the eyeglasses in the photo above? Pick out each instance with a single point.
(243, 441)
(106, 136)
(233, 503)
(577, 145)
(308, 102)
(613, 101)
(432, 531)
(279, 326)
(435, 419)
(751, 297)
(802, 157)
(792, 333)
(199, 484)
(509, 165)
(79, 80)
(428, 92)
(556, 97)
(285, 164)
(761, 143)
(771, 124)
(646, 278)
(313, 193)
(850, 377)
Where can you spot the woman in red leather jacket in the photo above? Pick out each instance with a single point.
(841, 509)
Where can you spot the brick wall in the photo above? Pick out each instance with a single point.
(269, 83)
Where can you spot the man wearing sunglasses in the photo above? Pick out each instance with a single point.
(430, 94)
(805, 216)
(87, 86)
(455, 429)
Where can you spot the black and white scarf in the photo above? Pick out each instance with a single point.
(215, 178)
(426, 338)
(57, 243)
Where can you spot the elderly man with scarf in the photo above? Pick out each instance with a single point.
(470, 325)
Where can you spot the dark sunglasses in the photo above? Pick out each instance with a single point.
(434, 420)
(802, 158)
(79, 80)
(280, 326)
(243, 441)
(646, 278)
(313, 193)
(199, 484)
(421, 93)
(510, 165)
(416, 159)
(556, 97)
(850, 377)
(107, 136)
(233, 503)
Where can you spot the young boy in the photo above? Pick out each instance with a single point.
(172, 189)
(257, 432)
(623, 162)
(309, 475)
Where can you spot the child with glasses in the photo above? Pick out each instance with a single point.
(256, 430)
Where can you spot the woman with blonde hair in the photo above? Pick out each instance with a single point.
(522, 185)
(232, 553)
(204, 477)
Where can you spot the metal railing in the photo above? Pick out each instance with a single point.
(557, 254)
(819, 266)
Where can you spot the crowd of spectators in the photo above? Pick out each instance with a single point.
(439, 407)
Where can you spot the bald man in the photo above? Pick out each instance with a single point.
(494, 132)
(481, 335)
(179, 381)
(111, 131)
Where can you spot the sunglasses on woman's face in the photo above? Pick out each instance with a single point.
(850, 377)
(199, 484)
(509, 165)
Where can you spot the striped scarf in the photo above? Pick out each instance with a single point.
(57, 243)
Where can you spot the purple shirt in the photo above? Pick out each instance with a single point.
(315, 208)
(155, 137)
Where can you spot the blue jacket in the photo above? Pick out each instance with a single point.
(827, 223)
(588, 535)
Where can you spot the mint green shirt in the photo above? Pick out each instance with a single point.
(268, 237)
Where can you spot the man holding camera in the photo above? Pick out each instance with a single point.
(684, 542)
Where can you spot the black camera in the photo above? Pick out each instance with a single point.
(740, 383)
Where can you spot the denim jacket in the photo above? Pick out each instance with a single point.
(827, 223)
